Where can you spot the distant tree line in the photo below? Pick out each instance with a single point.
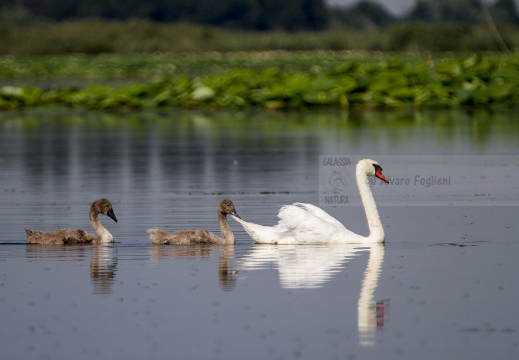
(291, 15)
(246, 14)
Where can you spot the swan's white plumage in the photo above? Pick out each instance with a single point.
(300, 224)
(308, 224)
(309, 216)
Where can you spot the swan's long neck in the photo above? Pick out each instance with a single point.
(100, 230)
(376, 230)
(226, 231)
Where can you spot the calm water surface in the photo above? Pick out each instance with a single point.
(443, 286)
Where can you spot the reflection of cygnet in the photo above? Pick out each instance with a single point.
(103, 267)
(227, 276)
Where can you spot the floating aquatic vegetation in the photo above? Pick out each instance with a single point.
(478, 80)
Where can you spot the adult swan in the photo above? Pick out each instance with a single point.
(307, 224)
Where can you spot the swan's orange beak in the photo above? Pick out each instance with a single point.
(381, 176)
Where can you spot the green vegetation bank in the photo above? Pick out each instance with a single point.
(270, 80)
(445, 53)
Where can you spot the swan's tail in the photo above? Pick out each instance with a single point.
(259, 233)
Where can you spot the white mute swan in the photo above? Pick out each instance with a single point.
(307, 224)
(78, 236)
(226, 207)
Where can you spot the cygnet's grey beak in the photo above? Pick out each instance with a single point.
(111, 214)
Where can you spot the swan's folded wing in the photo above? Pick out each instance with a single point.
(320, 213)
(60, 237)
(307, 227)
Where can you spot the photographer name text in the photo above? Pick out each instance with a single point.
(417, 180)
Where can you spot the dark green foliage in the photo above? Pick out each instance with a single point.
(505, 11)
(96, 36)
(421, 12)
(244, 14)
(363, 15)
(443, 37)
(293, 15)
(463, 11)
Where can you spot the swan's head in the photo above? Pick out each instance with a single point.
(226, 207)
(371, 168)
(103, 206)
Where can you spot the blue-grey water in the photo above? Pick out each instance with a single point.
(443, 286)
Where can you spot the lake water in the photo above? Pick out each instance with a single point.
(443, 286)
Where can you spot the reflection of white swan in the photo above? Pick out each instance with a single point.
(307, 224)
(312, 266)
(301, 266)
(371, 313)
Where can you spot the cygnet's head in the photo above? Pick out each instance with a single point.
(226, 207)
(103, 206)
